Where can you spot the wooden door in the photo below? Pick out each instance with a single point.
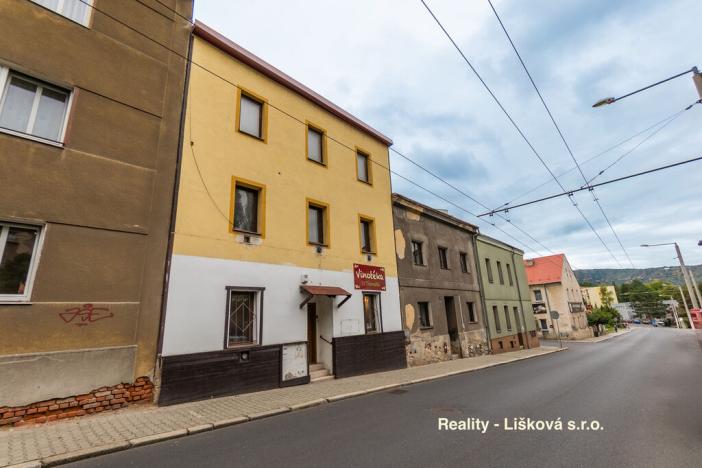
(312, 333)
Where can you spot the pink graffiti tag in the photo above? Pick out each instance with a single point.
(82, 316)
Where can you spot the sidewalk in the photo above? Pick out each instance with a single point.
(70, 440)
(602, 338)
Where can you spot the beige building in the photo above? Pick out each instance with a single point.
(593, 298)
(553, 287)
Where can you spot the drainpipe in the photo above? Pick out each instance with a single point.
(486, 324)
(548, 309)
(519, 295)
(171, 228)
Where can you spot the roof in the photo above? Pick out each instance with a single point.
(434, 213)
(499, 243)
(208, 34)
(542, 270)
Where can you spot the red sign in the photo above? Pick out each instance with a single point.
(368, 277)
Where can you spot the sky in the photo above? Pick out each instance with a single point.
(388, 63)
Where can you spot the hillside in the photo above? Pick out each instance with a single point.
(670, 274)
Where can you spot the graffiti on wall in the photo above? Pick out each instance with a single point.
(85, 315)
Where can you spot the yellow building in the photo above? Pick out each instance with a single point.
(283, 267)
(593, 297)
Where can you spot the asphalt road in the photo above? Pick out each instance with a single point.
(644, 389)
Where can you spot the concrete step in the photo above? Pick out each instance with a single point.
(321, 379)
(316, 367)
(455, 356)
(318, 373)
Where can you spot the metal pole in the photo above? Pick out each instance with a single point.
(558, 330)
(694, 285)
(686, 276)
(697, 79)
(689, 318)
(675, 312)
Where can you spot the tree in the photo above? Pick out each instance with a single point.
(606, 296)
(605, 315)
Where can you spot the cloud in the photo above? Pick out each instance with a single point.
(389, 64)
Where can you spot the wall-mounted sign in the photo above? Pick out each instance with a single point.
(294, 361)
(368, 277)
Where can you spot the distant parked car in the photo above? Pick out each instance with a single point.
(637, 321)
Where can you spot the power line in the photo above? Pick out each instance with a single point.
(519, 130)
(571, 192)
(188, 59)
(560, 133)
(598, 155)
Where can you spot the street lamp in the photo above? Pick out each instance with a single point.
(691, 286)
(696, 78)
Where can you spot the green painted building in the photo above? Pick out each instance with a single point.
(506, 301)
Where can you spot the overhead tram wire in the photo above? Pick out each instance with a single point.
(419, 166)
(328, 136)
(600, 154)
(569, 193)
(519, 130)
(560, 133)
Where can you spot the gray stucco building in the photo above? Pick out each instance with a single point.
(439, 287)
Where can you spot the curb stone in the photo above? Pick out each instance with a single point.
(140, 441)
(229, 422)
(84, 453)
(200, 428)
(265, 414)
(308, 404)
(157, 437)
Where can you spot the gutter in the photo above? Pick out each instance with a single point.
(171, 227)
(474, 238)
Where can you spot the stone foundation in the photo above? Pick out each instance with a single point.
(427, 349)
(96, 401)
(474, 343)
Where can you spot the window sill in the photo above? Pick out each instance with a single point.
(255, 137)
(420, 265)
(370, 184)
(31, 137)
(247, 233)
(14, 302)
(315, 244)
(426, 328)
(242, 346)
(323, 164)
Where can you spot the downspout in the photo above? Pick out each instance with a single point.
(171, 227)
(548, 308)
(486, 324)
(519, 295)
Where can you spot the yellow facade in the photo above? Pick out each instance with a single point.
(216, 154)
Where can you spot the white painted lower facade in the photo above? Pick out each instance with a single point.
(197, 304)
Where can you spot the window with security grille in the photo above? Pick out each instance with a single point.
(242, 318)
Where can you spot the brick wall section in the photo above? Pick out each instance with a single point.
(96, 401)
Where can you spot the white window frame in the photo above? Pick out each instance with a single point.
(59, 11)
(378, 313)
(5, 75)
(258, 314)
(33, 263)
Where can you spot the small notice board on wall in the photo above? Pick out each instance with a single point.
(294, 361)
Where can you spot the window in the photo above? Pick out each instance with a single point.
(443, 258)
(367, 228)
(362, 167)
(544, 325)
(317, 223)
(496, 316)
(499, 273)
(537, 295)
(472, 318)
(464, 262)
(502, 346)
(248, 207)
(32, 107)
(74, 10)
(516, 318)
(243, 316)
(316, 145)
(18, 253)
(488, 267)
(424, 315)
(371, 312)
(508, 319)
(417, 255)
(509, 274)
(251, 116)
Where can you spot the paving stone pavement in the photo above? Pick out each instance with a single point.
(61, 441)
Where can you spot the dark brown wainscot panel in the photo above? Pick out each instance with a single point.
(363, 354)
(199, 376)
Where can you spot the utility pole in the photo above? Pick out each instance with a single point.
(694, 285)
(689, 318)
(686, 276)
(675, 312)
